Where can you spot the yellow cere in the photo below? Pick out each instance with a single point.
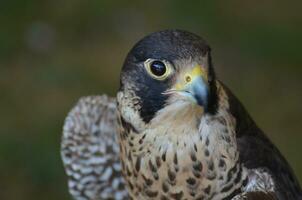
(197, 71)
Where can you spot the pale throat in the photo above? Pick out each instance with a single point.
(180, 125)
(174, 127)
(177, 119)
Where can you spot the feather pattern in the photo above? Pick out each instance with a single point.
(90, 151)
(171, 147)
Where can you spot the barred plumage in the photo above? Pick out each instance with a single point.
(90, 151)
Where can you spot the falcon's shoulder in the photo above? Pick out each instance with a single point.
(90, 151)
(257, 152)
(257, 195)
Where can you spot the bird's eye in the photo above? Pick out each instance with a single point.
(159, 70)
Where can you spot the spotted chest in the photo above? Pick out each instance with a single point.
(200, 165)
(180, 154)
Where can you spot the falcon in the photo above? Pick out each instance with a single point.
(174, 132)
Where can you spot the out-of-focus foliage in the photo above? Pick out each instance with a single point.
(52, 52)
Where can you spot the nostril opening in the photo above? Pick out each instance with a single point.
(188, 79)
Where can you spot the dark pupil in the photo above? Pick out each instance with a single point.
(158, 68)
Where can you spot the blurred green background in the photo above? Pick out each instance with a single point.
(53, 52)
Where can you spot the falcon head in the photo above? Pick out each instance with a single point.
(169, 69)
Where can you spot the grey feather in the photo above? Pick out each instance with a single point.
(90, 151)
(259, 195)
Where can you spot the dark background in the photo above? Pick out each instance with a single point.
(53, 52)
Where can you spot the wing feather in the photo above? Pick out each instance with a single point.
(257, 195)
(90, 151)
(258, 153)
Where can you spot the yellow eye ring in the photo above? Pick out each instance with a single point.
(158, 69)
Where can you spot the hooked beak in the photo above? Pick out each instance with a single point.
(198, 89)
(193, 86)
